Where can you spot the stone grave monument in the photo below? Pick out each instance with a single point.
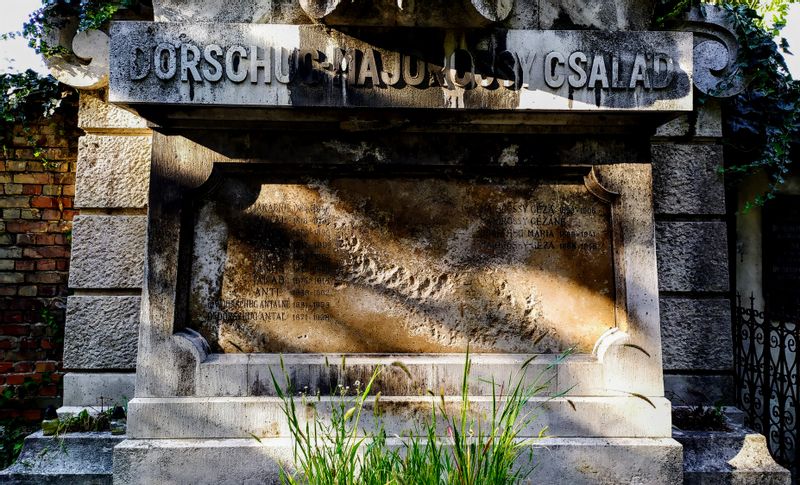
(397, 181)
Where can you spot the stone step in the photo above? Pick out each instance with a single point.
(736, 456)
(400, 374)
(575, 461)
(242, 417)
(74, 458)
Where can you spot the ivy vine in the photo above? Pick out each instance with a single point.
(54, 14)
(762, 124)
(28, 97)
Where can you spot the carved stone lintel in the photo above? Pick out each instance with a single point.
(404, 12)
(88, 66)
(716, 49)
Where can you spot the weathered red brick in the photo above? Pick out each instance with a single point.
(45, 252)
(33, 178)
(25, 304)
(46, 265)
(25, 239)
(24, 265)
(17, 379)
(24, 367)
(51, 214)
(45, 239)
(58, 226)
(27, 226)
(29, 189)
(14, 330)
(65, 178)
(12, 317)
(46, 366)
(47, 290)
(32, 414)
(28, 344)
(43, 202)
(6, 366)
(49, 390)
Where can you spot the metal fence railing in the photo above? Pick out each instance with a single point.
(765, 363)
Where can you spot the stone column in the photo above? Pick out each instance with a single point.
(692, 248)
(108, 255)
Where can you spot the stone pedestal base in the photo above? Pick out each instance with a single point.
(72, 459)
(560, 460)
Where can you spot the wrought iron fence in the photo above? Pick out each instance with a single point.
(765, 361)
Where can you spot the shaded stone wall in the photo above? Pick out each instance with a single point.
(36, 199)
(692, 246)
(107, 255)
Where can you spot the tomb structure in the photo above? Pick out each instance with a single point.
(344, 185)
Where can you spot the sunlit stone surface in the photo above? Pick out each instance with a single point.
(400, 264)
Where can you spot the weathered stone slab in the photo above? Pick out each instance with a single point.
(241, 417)
(687, 180)
(737, 456)
(101, 332)
(696, 334)
(402, 265)
(95, 114)
(290, 65)
(692, 256)
(95, 390)
(70, 459)
(107, 251)
(579, 461)
(113, 171)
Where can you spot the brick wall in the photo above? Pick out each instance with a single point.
(36, 199)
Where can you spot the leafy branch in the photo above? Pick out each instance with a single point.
(763, 122)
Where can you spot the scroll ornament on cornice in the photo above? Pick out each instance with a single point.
(716, 49)
(87, 65)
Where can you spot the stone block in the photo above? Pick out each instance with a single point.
(692, 256)
(113, 171)
(685, 179)
(737, 456)
(242, 417)
(694, 390)
(70, 459)
(696, 334)
(101, 332)
(558, 460)
(95, 113)
(93, 390)
(706, 121)
(107, 251)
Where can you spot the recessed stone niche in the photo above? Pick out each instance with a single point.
(403, 263)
